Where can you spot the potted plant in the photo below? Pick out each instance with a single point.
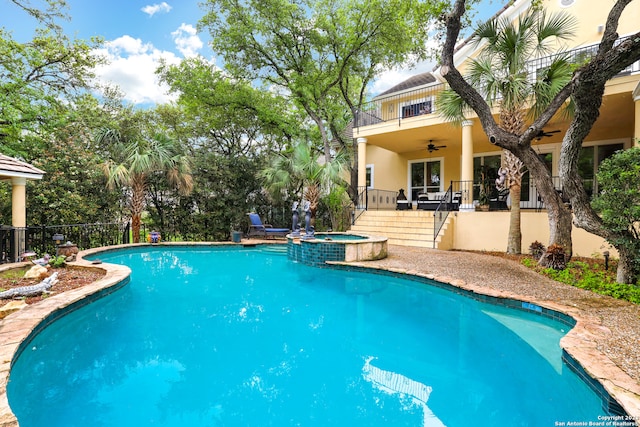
(483, 197)
(236, 234)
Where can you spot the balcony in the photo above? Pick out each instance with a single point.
(408, 104)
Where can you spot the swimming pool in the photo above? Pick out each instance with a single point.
(244, 337)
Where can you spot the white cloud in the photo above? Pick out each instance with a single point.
(187, 40)
(131, 65)
(152, 9)
(390, 78)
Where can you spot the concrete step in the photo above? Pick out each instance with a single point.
(405, 228)
(407, 234)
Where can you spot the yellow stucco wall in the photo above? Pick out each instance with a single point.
(591, 18)
(489, 231)
(592, 14)
(390, 169)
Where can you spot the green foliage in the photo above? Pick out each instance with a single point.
(14, 273)
(221, 109)
(619, 199)
(618, 204)
(528, 262)
(591, 276)
(322, 54)
(303, 168)
(225, 189)
(57, 262)
(37, 81)
(501, 68)
(337, 205)
(50, 12)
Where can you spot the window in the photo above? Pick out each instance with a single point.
(369, 176)
(589, 162)
(489, 165)
(418, 109)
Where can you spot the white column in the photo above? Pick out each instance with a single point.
(362, 162)
(466, 169)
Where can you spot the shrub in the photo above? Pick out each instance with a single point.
(555, 257)
(536, 249)
(57, 262)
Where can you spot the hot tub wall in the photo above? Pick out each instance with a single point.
(317, 251)
(366, 251)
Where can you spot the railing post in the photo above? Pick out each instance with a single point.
(366, 198)
(125, 233)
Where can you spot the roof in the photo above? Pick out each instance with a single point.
(427, 78)
(12, 167)
(412, 82)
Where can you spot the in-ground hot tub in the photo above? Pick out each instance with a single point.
(336, 247)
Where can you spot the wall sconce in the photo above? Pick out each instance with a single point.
(58, 238)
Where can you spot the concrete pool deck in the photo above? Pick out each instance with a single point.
(605, 340)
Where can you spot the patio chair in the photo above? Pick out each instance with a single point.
(258, 229)
(499, 200)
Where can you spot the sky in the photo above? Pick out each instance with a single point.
(138, 33)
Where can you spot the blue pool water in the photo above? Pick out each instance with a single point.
(243, 337)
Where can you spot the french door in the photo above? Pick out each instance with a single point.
(425, 177)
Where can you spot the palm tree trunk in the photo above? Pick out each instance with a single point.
(514, 167)
(137, 206)
(514, 242)
(312, 194)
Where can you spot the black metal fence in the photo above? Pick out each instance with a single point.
(14, 241)
(470, 195)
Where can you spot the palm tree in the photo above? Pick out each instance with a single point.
(136, 160)
(303, 168)
(501, 71)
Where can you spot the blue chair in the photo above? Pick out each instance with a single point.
(258, 229)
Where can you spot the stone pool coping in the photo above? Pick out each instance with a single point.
(579, 343)
(19, 326)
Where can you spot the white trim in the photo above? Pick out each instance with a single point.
(7, 175)
(366, 168)
(423, 160)
(626, 142)
(407, 90)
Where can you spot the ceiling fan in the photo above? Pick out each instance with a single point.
(544, 133)
(432, 147)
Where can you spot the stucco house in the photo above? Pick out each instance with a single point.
(403, 143)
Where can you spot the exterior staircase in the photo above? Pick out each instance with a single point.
(404, 228)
